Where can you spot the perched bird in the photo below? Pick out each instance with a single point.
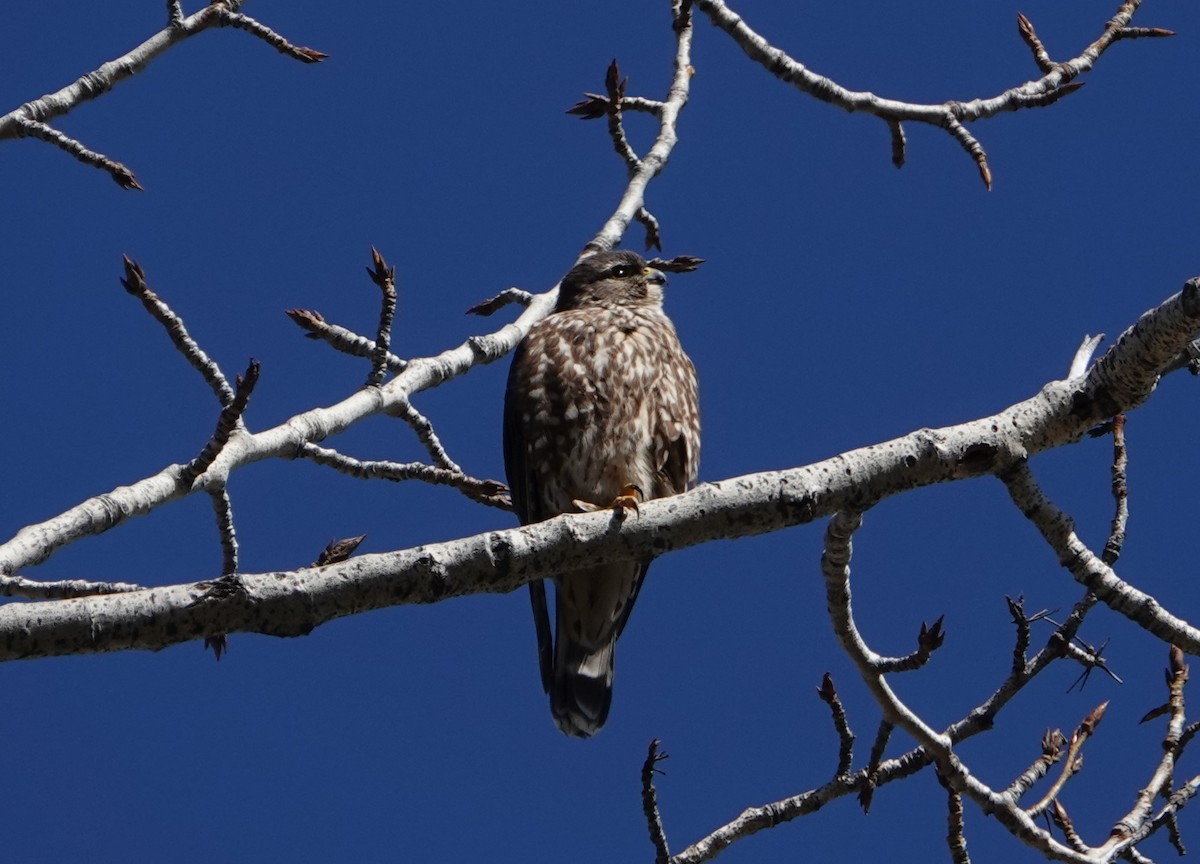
(601, 410)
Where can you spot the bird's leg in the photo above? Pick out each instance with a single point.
(630, 496)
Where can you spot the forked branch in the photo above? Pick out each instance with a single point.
(32, 118)
(1057, 81)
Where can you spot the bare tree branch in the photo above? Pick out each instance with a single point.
(835, 561)
(1055, 82)
(1120, 491)
(341, 339)
(489, 492)
(650, 803)
(1061, 413)
(828, 695)
(223, 510)
(31, 118)
(116, 616)
(385, 278)
(1087, 568)
(655, 160)
(135, 284)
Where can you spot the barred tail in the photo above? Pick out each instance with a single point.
(581, 691)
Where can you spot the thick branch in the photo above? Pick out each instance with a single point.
(1062, 412)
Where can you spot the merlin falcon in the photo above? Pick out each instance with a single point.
(601, 411)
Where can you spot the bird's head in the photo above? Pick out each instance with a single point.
(618, 278)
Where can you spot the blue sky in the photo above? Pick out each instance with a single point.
(843, 303)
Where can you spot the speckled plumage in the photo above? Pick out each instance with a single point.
(600, 396)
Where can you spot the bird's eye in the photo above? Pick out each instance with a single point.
(623, 270)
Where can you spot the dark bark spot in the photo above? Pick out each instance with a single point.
(797, 511)
(979, 458)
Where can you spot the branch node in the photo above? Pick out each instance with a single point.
(228, 420)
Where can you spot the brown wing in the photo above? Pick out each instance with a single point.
(677, 430)
(676, 439)
(526, 498)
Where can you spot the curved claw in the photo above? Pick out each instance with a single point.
(631, 495)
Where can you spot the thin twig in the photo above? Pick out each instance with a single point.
(938, 746)
(594, 106)
(615, 85)
(31, 118)
(229, 18)
(899, 142)
(223, 510)
(1143, 33)
(650, 223)
(658, 836)
(1057, 80)
(1086, 567)
(974, 149)
(135, 284)
(1135, 824)
(1176, 801)
(384, 278)
(1071, 762)
(346, 341)
(828, 694)
(977, 721)
(505, 297)
(929, 639)
(428, 437)
(1016, 608)
(1120, 492)
(1059, 814)
(650, 165)
(1040, 56)
(489, 492)
(1052, 746)
(119, 173)
(882, 735)
(1174, 836)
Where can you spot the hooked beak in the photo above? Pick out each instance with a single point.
(655, 277)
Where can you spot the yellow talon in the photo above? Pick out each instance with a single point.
(631, 495)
